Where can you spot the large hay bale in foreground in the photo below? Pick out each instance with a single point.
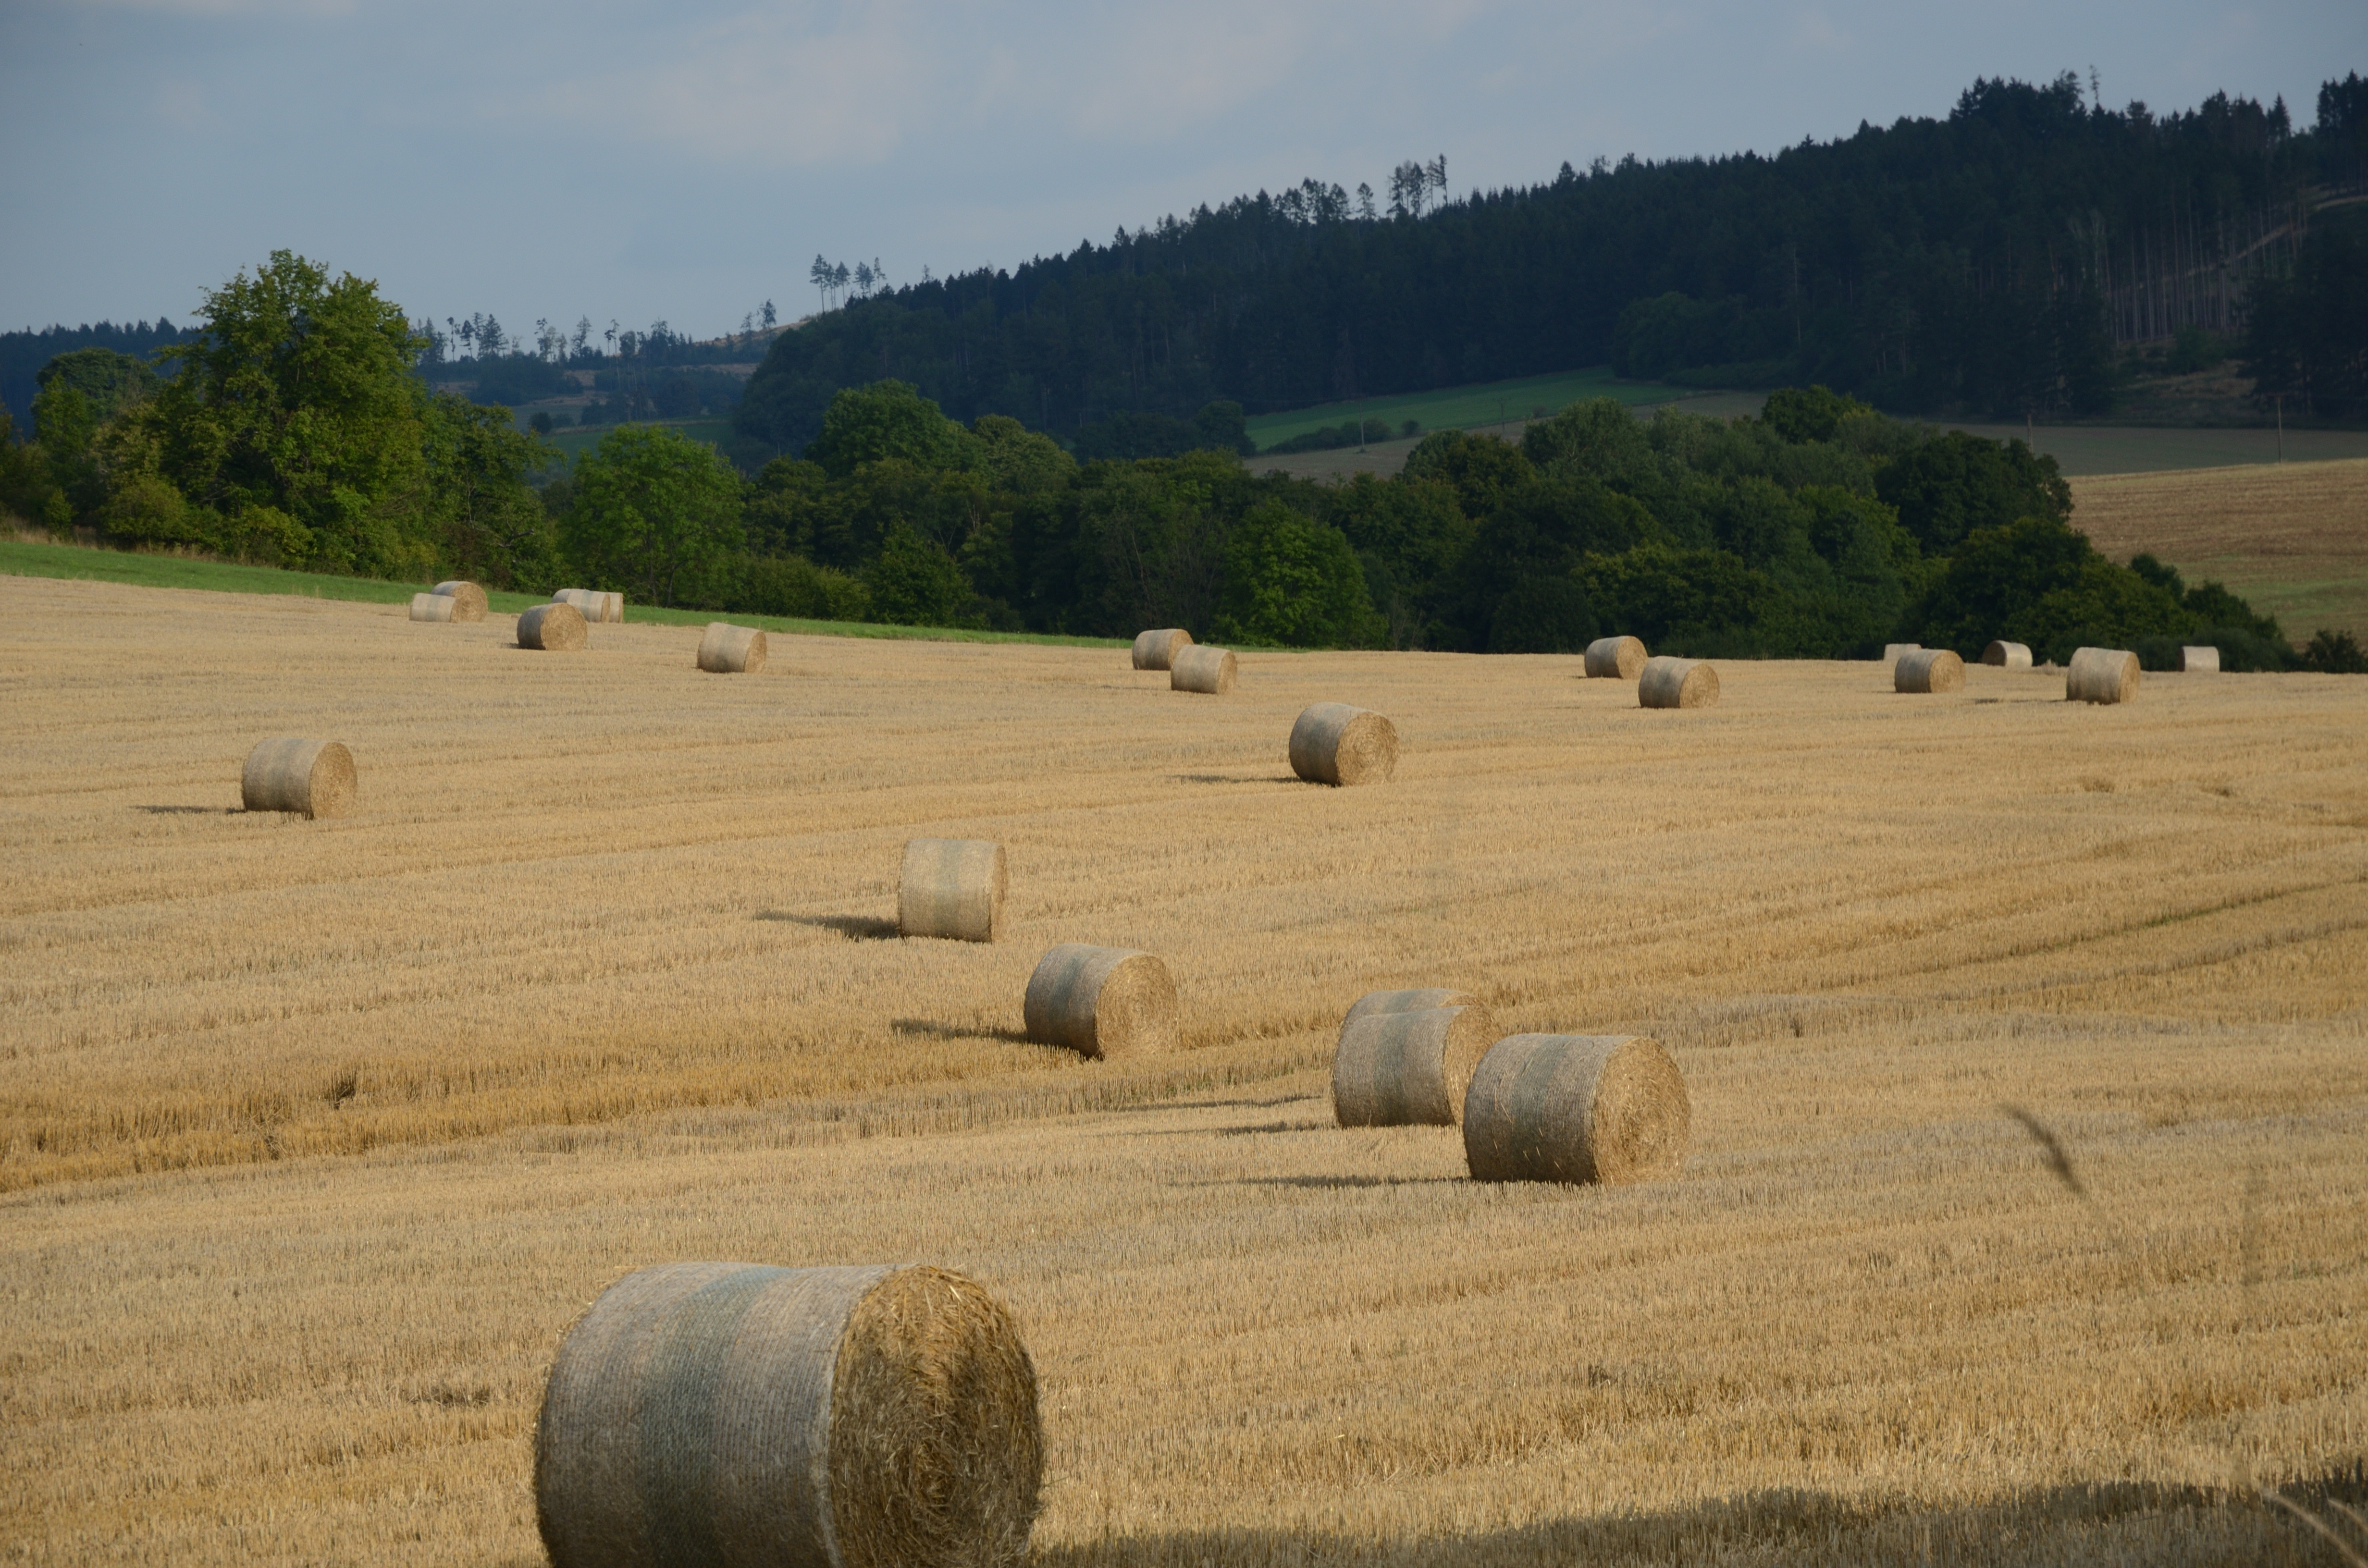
(1158, 650)
(1421, 1001)
(1677, 683)
(1621, 657)
(2200, 661)
(952, 887)
(434, 606)
(1333, 743)
(729, 650)
(553, 627)
(1202, 669)
(1575, 1108)
(314, 778)
(593, 603)
(2008, 656)
(1408, 1069)
(1103, 1001)
(468, 599)
(740, 1415)
(2101, 675)
(1927, 670)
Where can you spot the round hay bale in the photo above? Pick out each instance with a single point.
(1608, 657)
(2007, 655)
(1575, 1108)
(1928, 669)
(1894, 651)
(1201, 669)
(553, 627)
(1158, 650)
(433, 607)
(1408, 1069)
(1103, 1001)
(2200, 661)
(738, 1416)
(952, 887)
(314, 778)
(1335, 744)
(729, 650)
(1677, 683)
(468, 599)
(2101, 674)
(592, 604)
(1377, 1002)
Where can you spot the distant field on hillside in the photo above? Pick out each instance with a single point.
(575, 441)
(1465, 408)
(2080, 449)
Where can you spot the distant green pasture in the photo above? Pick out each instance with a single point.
(1458, 408)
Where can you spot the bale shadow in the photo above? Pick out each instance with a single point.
(936, 1030)
(854, 927)
(1271, 1127)
(191, 811)
(1323, 1183)
(1230, 778)
(1212, 1105)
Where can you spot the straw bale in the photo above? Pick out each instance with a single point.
(468, 599)
(729, 650)
(592, 604)
(1158, 650)
(1621, 657)
(555, 628)
(1103, 1001)
(2200, 661)
(1575, 1108)
(1408, 1069)
(1894, 652)
(2101, 674)
(2008, 656)
(434, 606)
(1202, 669)
(953, 888)
(1336, 744)
(1927, 670)
(735, 1415)
(314, 778)
(1376, 1002)
(1677, 683)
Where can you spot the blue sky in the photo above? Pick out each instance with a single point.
(633, 162)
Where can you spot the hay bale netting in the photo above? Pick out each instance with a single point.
(2200, 661)
(1928, 669)
(1335, 744)
(1377, 1002)
(951, 887)
(314, 778)
(434, 606)
(1103, 1001)
(1408, 1069)
(1677, 683)
(593, 604)
(729, 650)
(1620, 658)
(1202, 669)
(468, 599)
(1158, 650)
(2101, 674)
(735, 1415)
(2007, 655)
(553, 627)
(1575, 1108)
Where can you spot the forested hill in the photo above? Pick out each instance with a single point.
(1990, 261)
(22, 354)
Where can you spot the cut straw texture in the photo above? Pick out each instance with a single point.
(952, 887)
(1335, 744)
(1575, 1108)
(2008, 656)
(468, 599)
(2200, 661)
(1158, 650)
(1677, 683)
(434, 606)
(1929, 670)
(733, 1415)
(314, 778)
(1615, 657)
(553, 627)
(729, 650)
(2101, 674)
(1202, 669)
(1408, 1069)
(592, 604)
(1377, 1002)
(1101, 1002)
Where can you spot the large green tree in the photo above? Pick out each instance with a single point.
(654, 514)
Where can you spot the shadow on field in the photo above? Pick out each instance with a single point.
(2188, 1526)
(1230, 778)
(1314, 1182)
(951, 1031)
(191, 811)
(854, 927)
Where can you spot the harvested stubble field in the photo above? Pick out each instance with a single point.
(317, 1135)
